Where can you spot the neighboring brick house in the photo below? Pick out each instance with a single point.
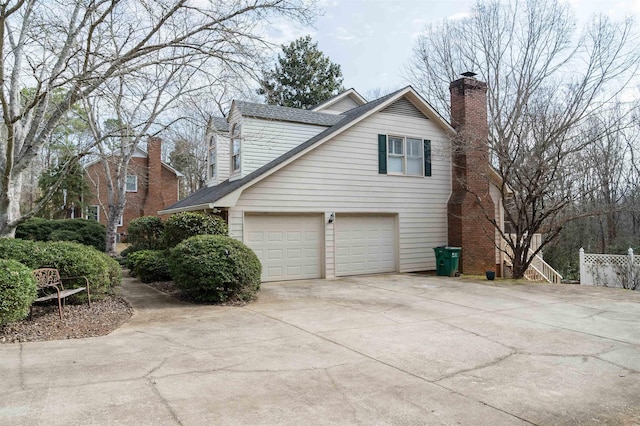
(152, 185)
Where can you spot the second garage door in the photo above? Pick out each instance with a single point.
(288, 246)
(365, 244)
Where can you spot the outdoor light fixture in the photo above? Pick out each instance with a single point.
(332, 217)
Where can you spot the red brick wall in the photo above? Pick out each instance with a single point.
(470, 203)
(157, 186)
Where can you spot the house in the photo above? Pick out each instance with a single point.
(354, 187)
(151, 185)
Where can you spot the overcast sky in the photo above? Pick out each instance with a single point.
(372, 40)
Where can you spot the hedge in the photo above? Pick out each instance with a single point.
(184, 225)
(146, 233)
(88, 232)
(71, 259)
(17, 290)
(215, 268)
(149, 266)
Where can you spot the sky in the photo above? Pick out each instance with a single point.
(372, 40)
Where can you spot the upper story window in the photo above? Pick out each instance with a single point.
(404, 155)
(236, 148)
(132, 183)
(213, 157)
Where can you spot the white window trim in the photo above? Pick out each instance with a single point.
(126, 183)
(405, 156)
(236, 135)
(97, 212)
(121, 220)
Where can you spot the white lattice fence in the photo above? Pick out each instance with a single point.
(610, 270)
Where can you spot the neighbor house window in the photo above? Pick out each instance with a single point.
(93, 213)
(120, 221)
(236, 147)
(213, 157)
(132, 183)
(403, 155)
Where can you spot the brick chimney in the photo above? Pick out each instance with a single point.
(154, 199)
(470, 203)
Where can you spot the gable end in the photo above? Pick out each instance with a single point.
(404, 107)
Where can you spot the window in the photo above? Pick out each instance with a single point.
(395, 149)
(236, 142)
(213, 157)
(404, 155)
(132, 183)
(414, 157)
(92, 213)
(120, 221)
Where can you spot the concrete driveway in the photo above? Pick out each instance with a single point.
(386, 349)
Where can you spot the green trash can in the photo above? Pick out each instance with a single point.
(447, 260)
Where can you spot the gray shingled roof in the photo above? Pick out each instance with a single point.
(280, 113)
(220, 124)
(212, 194)
(333, 97)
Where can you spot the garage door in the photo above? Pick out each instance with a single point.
(365, 244)
(288, 246)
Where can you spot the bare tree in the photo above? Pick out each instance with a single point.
(80, 45)
(545, 80)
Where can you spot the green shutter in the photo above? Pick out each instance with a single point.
(382, 154)
(427, 157)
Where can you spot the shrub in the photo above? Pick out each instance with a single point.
(150, 265)
(131, 261)
(181, 226)
(17, 290)
(21, 250)
(89, 232)
(71, 259)
(124, 255)
(146, 233)
(65, 235)
(214, 268)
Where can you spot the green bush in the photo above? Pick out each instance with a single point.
(65, 235)
(131, 261)
(150, 266)
(71, 259)
(17, 290)
(146, 233)
(89, 232)
(184, 225)
(215, 268)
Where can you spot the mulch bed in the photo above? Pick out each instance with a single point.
(79, 321)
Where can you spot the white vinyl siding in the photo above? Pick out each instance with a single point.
(342, 176)
(222, 159)
(341, 106)
(265, 140)
(212, 163)
(499, 216)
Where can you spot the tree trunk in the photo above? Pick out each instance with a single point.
(115, 211)
(10, 208)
